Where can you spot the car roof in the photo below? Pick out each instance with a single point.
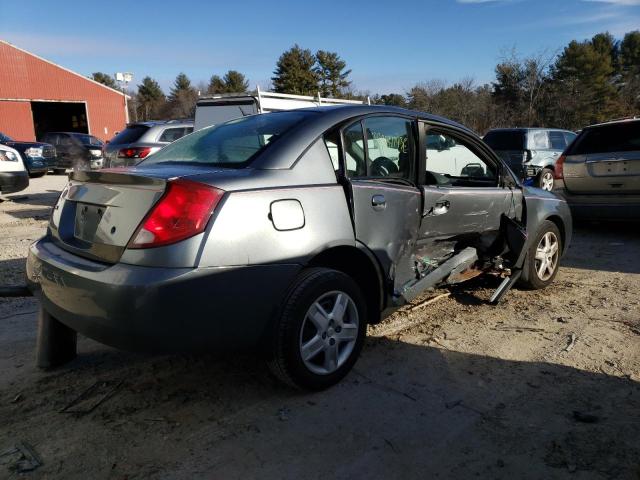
(529, 129)
(187, 122)
(615, 122)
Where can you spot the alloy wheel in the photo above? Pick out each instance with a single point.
(546, 181)
(329, 332)
(547, 253)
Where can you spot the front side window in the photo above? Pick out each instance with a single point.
(233, 144)
(354, 153)
(451, 162)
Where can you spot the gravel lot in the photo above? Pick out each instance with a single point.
(452, 390)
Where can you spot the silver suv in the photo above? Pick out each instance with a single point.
(141, 139)
(288, 231)
(599, 174)
(530, 152)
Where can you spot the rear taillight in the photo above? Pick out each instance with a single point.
(136, 152)
(183, 211)
(559, 170)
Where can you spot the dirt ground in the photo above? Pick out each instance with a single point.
(456, 389)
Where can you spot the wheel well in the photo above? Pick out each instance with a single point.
(560, 224)
(362, 269)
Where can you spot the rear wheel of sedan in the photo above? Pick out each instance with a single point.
(543, 258)
(545, 180)
(60, 171)
(37, 175)
(321, 330)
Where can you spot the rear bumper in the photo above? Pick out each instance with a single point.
(11, 182)
(600, 206)
(158, 309)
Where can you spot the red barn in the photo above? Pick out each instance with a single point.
(38, 96)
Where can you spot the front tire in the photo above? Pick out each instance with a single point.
(321, 330)
(546, 179)
(543, 258)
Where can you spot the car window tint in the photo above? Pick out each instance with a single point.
(616, 137)
(501, 140)
(172, 134)
(558, 141)
(234, 144)
(569, 137)
(450, 162)
(331, 141)
(354, 154)
(540, 141)
(390, 147)
(65, 140)
(130, 134)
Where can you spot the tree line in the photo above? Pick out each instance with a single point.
(588, 82)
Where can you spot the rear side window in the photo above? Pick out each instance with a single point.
(558, 141)
(173, 134)
(505, 140)
(233, 144)
(130, 134)
(618, 137)
(539, 140)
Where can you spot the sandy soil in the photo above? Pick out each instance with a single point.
(456, 389)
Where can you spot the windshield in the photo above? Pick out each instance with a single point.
(5, 138)
(233, 144)
(505, 140)
(87, 139)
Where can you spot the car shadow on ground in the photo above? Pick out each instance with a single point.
(407, 411)
(605, 246)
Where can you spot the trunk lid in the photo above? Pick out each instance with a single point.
(98, 212)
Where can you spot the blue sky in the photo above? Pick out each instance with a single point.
(389, 45)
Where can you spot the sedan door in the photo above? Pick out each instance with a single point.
(379, 161)
(463, 198)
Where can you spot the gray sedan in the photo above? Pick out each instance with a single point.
(287, 232)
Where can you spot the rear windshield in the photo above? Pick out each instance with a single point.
(233, 144)
(505, 140)
(617, 137)
(130, 134)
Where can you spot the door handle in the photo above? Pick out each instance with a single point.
(440, 208)
(378, 202)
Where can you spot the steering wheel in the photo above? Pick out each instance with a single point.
(383, 167)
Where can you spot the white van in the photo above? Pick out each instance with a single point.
(13, 174)
(214, 109)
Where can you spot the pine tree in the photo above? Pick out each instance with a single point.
(182, 98)
(232, 82)
(150, 99)
(105, 79)
(294, 72)
(330, 69)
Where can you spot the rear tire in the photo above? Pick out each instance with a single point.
(56, 344)
(37, 175)
(546, 179)
(60, 171)
(543, 258)
(320, 332)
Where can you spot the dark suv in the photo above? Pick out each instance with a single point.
(38, 157)
(79, 151)
(599, 174)
(141, 139)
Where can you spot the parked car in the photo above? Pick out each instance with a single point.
(290, 231)
(599, 173)
(530, 152)
(79, 151)
(38, 157)
(141, 139)
(13, 174)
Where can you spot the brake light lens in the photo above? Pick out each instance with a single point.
(183, 211)
(136, 152)
(559, 170)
